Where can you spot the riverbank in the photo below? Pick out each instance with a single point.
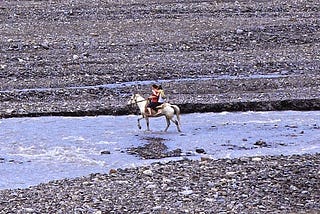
(88, 58)
(300, 92)
(274, 184)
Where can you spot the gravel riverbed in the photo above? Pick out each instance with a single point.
(63, 58)
(282, 184)
(87, 58)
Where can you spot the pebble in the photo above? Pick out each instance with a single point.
(256, 159)
(28, 210)
(200, 150)
(105, 152)
(148, 172)
(186, 192)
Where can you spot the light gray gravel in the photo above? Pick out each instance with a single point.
(282, 184)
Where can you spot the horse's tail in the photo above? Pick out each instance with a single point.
(177, 112)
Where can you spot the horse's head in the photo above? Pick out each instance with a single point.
(135, 98)
(132, 100)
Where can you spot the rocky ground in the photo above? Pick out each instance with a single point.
(88, 57)
(57, 57)
(285, 184)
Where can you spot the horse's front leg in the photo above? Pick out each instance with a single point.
(139, 125)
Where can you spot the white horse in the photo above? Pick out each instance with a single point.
(167, 110)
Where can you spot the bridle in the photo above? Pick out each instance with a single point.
(135, 101)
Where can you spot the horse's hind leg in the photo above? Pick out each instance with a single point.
(147, 121)
(177, 124)
(168, 124)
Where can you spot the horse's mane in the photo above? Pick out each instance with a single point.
(138, 95)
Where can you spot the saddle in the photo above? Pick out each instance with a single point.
(161, 106)
(156, 109)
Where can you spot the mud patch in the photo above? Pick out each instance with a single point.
(154, 149)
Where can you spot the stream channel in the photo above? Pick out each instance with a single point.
(41, 149)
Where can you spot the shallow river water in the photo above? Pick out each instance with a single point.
(37, 150)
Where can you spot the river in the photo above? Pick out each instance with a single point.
(41, 149)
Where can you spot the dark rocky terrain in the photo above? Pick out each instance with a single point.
(58, 57)
(285, 184)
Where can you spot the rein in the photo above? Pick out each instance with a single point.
(139, 101)
(136, 103)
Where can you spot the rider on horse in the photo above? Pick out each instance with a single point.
(153, 104)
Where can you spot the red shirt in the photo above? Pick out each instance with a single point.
(154, 96)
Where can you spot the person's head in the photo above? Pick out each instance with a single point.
(154, 86)
(160, 87)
